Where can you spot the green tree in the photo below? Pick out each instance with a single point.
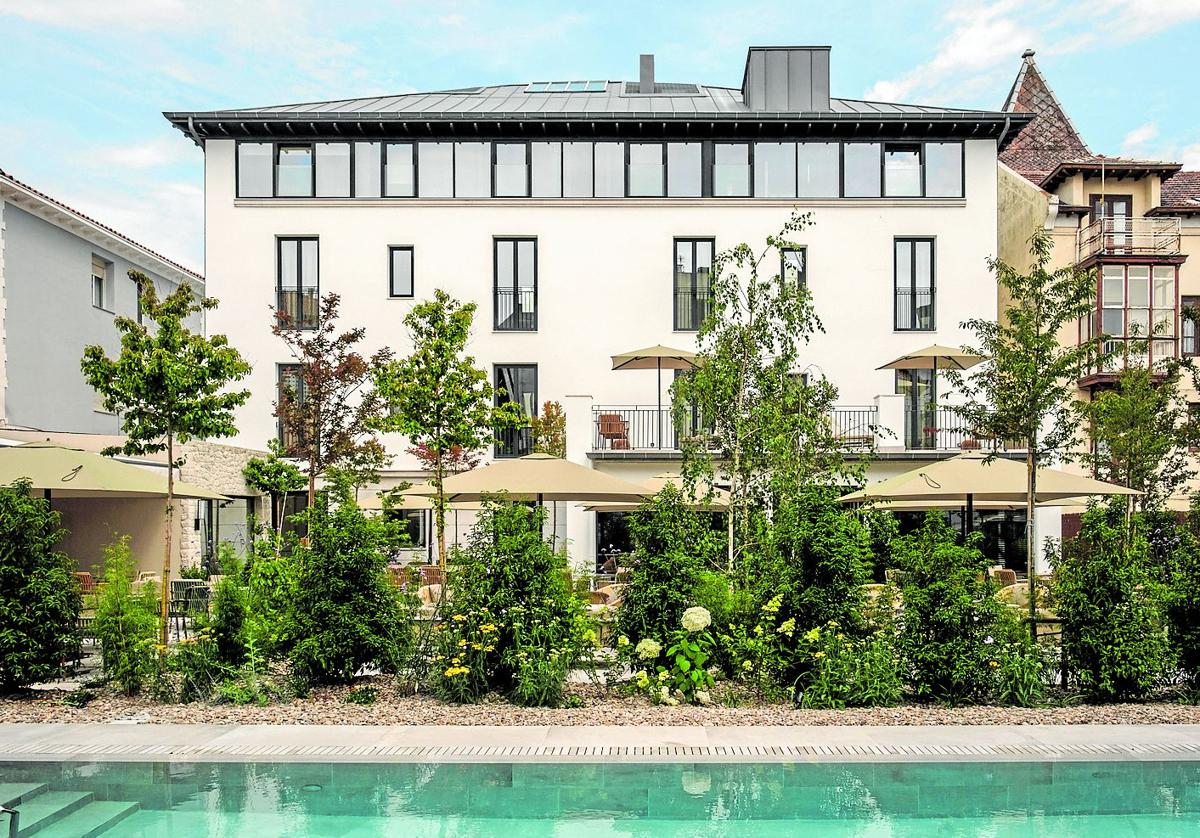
(169, 385)
(549, 430)
(1141, 431)
(125, 620)
(763, 419)
(274, 476)
(328, 410)
(1026, 390)
(39, 597)
(438, 398)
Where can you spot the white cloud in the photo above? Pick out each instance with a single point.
(1190, 156)
(152, 154)
(139, 15)
(455, 19)
(1128, 19)
(165, 216)
(1140, 136)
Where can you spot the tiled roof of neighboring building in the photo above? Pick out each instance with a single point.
(1051, 137)
(54, 202)
(1181, 190)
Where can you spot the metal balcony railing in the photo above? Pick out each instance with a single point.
(855, 426)
(692, 306)
(1124, 236)
(516, 309)
(299, 307)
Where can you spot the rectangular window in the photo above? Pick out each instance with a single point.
(861, 167)
(818, 170)
(914, 279)
(610, 170)
(692, 282)
(333, 170)
(511, 173)
(547, 165)
(577, 166)
(515, 287)
(919, 388)
(297, 284)
(399, 174)
(100, 273)
(289, 389)
(793, 267)
(435, 163)
(646, 170)
(472, 170)
(1189, 344)
(943, 170)
(516, 383)
(902, 170)
(294, 171)
(731, 170)
(684, 170)
(254, 161)
(368, 170)
(137, 296)
(774, 170)
(400, 271)
(1137, 303)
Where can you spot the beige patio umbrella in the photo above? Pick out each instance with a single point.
(656, 358)
(718, 503)
(71, 473)
(934, 358)
(539, 477)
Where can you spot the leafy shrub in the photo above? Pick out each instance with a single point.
(1183, 601)
(514, 626)
(673, 545)
(763, 656)
(952, 627)
(1114, 632)
(126, 621)
(271, 574)
(682, 670)
(1022, 672)
(39, 597)
(79, 698)
(196, 667)
(346, 613)
(229, 610)
(363, 696)
(849, 671)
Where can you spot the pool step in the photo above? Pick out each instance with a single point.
(59, 814)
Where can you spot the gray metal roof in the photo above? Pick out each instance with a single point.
(512, 102)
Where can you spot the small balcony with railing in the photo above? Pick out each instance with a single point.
(298, 308)
(516, 309)
(1128, 236)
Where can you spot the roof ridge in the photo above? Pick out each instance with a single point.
(111, 231)
(1027, 65)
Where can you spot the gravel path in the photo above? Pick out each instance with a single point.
(327, 706)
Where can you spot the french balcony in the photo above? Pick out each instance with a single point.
(516, 310)
(298, 307)
(1124, 236)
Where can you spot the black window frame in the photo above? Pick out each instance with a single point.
(280, 370)
(803, 263)
(279, 287)
(662, 158)
(416, 169)
(412, 271)
(515, 241)
(312, 169)
(1186, 323)
(520, 440)
(883, 156)
(912, 242)
(527, 145)
(710, 169)
(696, 304)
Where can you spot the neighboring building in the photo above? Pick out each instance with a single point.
(63, 278)
(1135, 222)
(583, 217)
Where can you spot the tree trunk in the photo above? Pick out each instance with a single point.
(1031, 533)
(165, 593)
(439, 511)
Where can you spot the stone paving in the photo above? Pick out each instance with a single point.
(373, 743)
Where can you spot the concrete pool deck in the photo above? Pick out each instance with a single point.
(439, 743)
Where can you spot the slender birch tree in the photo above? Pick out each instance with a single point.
(169, 385)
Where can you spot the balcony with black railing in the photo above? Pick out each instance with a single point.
(692, 306)
(516, 309)
(298, 307)
(914, 309)
(513, 442)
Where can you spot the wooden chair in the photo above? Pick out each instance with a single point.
(87, 583)
(614, 431)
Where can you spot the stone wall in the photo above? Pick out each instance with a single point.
(218, 467)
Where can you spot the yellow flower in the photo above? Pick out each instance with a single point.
(458, 618)
(462, 644)
(818, 655)
(746, 665)
(787, 626)
(812, 635)
(487, 628)
(664, 676)
(622, 642)
(993, 664)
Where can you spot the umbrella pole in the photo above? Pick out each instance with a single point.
(970, 522)
(658, 363)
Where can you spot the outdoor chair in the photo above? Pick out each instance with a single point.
(87, 583)
(614, 431)
(431, 575)
(1004, 576)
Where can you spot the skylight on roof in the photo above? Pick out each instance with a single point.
(566, 87)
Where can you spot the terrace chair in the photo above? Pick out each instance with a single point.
(87, 583)
(614, 430)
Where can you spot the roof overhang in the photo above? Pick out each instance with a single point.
(201, 126)
(1191, 209)
(1110, 168)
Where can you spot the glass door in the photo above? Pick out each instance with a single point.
(1117, 213)
(919, 388)
(516, 383)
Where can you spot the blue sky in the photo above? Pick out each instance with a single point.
(85, 82)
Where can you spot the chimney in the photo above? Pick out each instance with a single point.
(786, 79)
(646, 74)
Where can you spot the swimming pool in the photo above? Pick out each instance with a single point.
(997, 799)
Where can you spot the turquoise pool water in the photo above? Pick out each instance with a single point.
(873, 800)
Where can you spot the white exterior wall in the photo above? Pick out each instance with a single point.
(604, 275)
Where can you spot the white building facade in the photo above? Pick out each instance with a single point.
(583, 216)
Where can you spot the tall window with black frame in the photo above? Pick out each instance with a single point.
(298, 283)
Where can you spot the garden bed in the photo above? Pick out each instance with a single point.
(597, 707)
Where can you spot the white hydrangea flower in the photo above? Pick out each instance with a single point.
(648, 649)
(696, 619)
